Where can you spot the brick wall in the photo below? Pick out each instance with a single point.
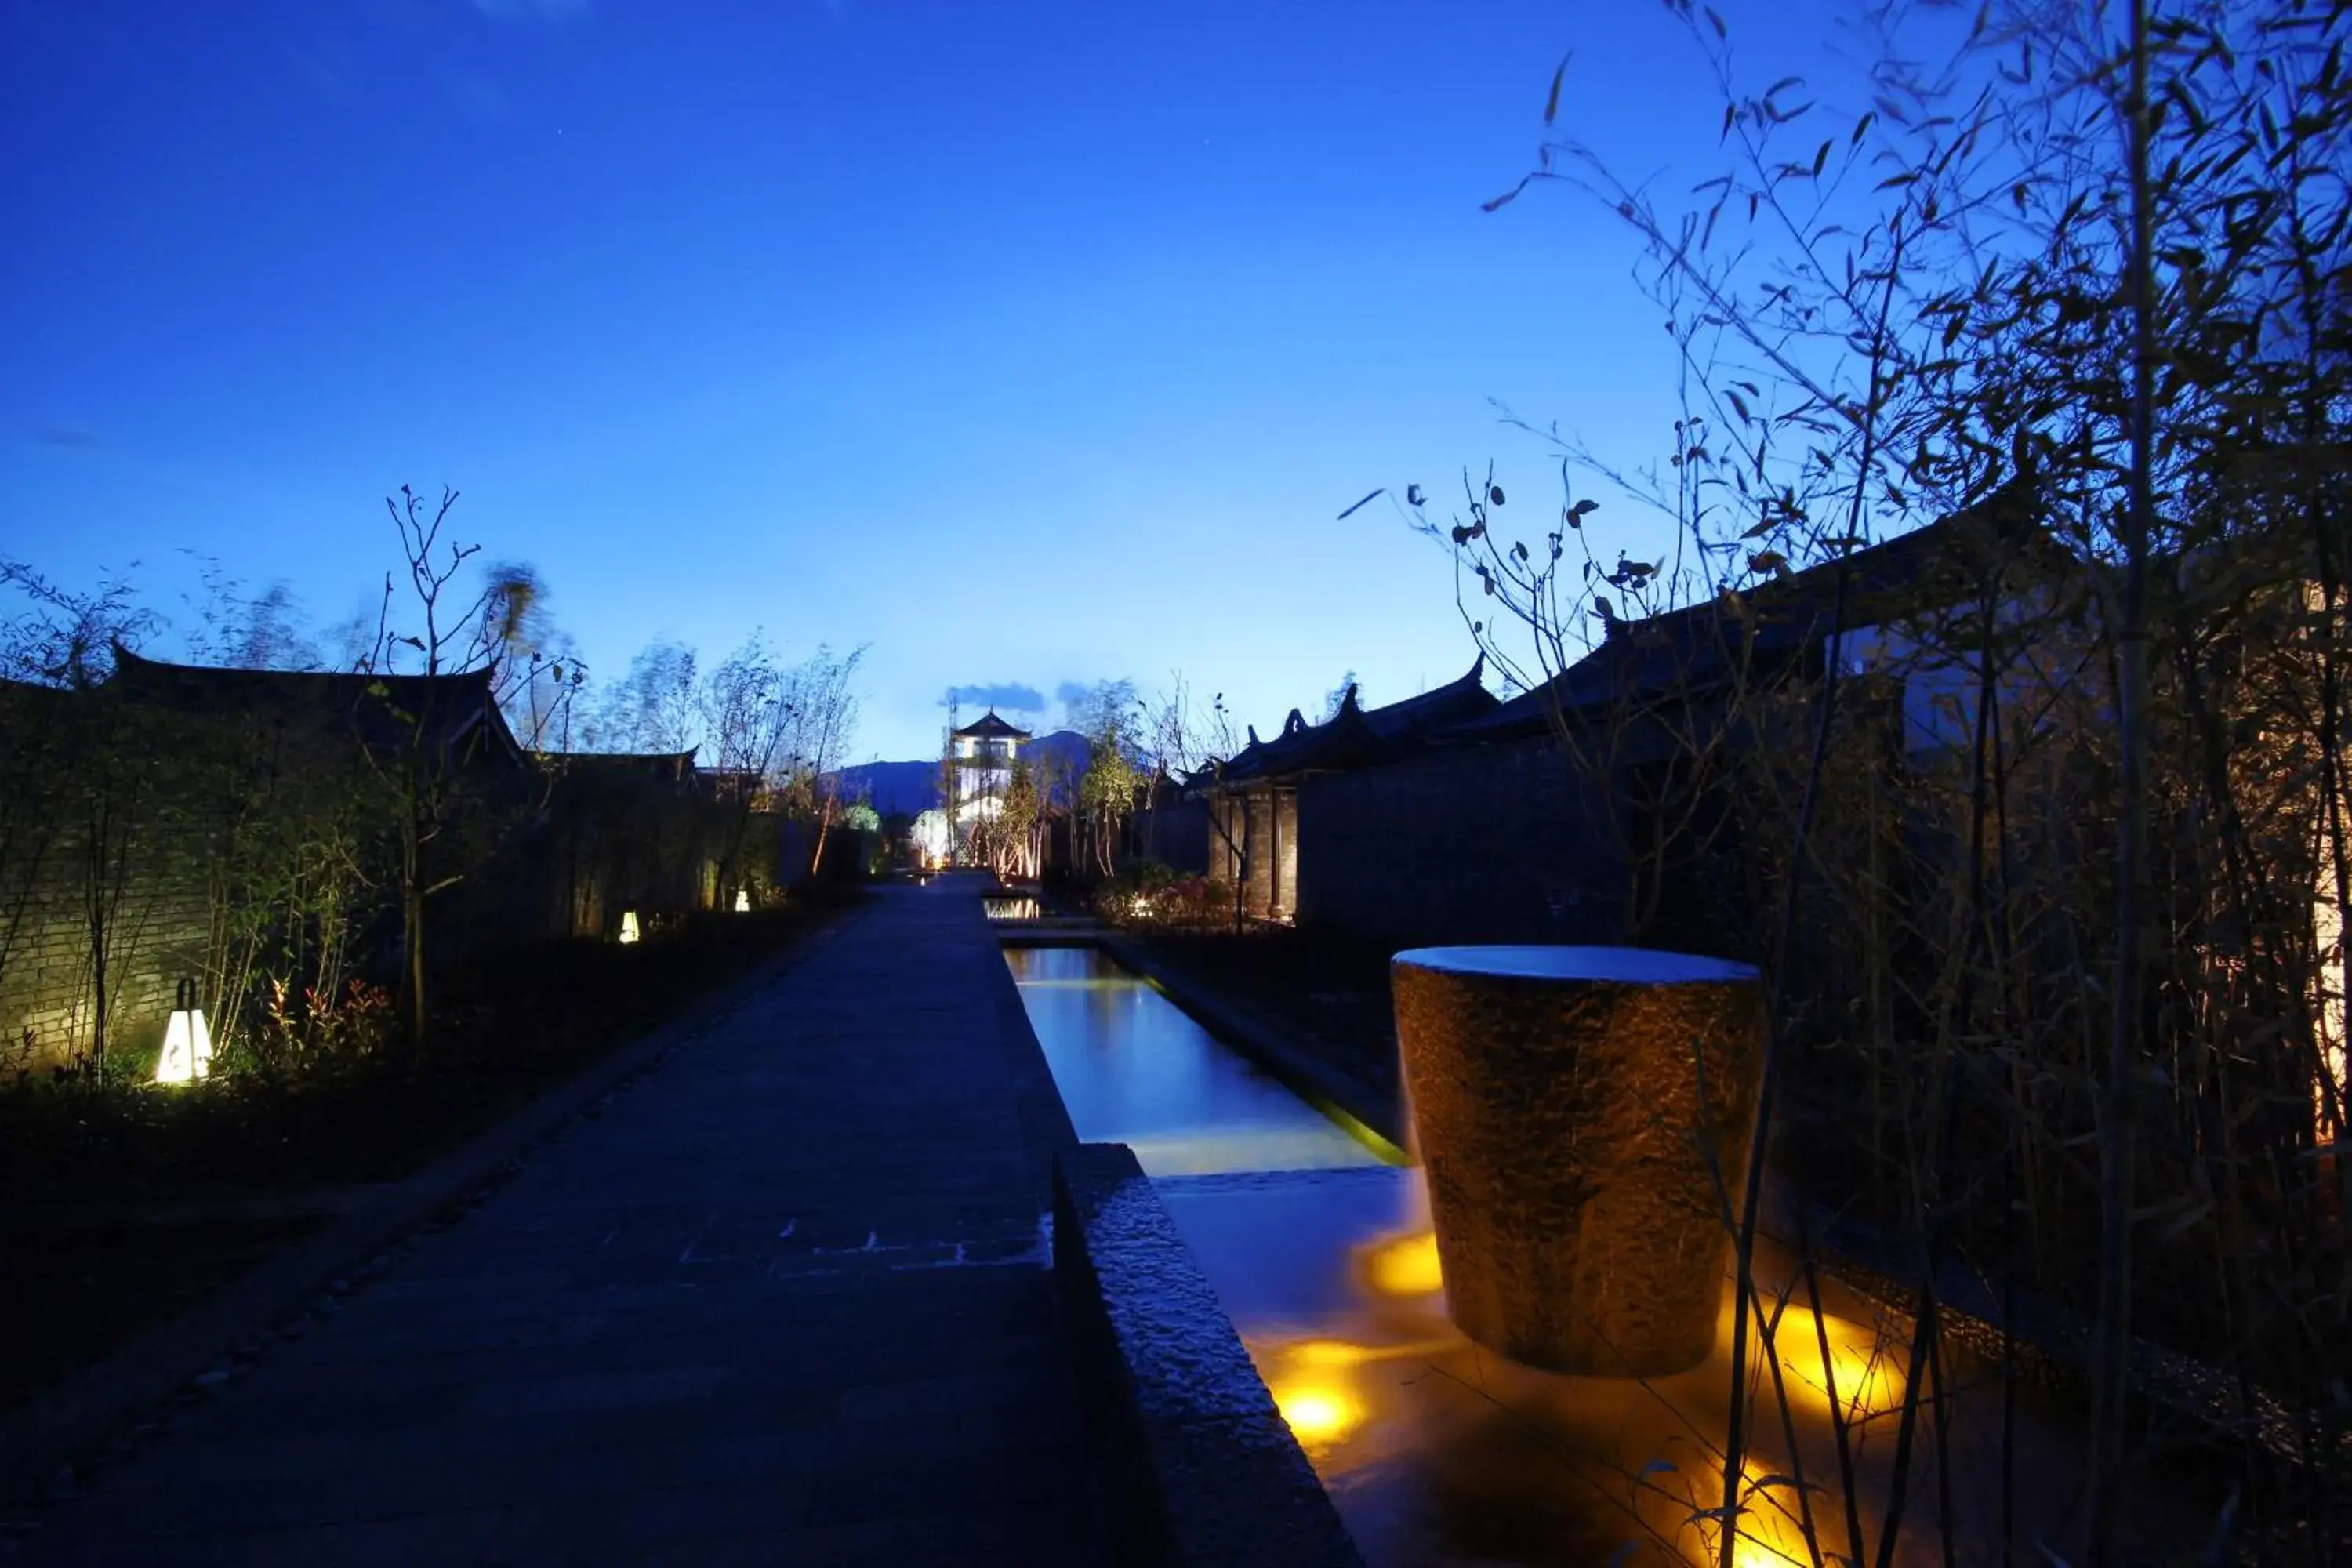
(177, 792)
(156, 931)
(104, 889)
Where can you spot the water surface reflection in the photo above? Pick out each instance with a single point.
(1133, 1068)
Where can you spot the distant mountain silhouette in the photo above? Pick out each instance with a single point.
(893, 787)
(1059, 758)
(913, 788)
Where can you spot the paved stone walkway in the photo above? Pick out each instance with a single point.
(786, 1301)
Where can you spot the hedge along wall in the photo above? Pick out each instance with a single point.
(1498, 843)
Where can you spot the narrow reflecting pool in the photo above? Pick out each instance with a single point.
(1133, 1068)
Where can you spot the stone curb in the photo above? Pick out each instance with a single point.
(66, 1424)
(1194, 1465)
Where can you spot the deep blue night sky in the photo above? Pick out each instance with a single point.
(1034, 342)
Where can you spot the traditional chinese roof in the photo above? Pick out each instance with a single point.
(731, 783)
(663, 767)
(989, 727)
(661, 763)
(1358, 737)
(385, 712)
(1780, 623)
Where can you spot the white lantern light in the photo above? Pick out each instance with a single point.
(187, 1041)
(628, 925)
(742, 901)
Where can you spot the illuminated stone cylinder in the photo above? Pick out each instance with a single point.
(1574, 1107)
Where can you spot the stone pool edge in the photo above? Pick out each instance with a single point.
(1195, 1466)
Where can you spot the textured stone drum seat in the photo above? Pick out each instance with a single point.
(1584, 1116)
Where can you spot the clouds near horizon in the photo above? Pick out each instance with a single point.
(1010, 695)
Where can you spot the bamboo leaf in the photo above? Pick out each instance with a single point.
(1507, 197)
(1551, 104)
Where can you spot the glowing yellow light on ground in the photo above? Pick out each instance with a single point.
(1405, 1266)
(1340, 1352)
(187, 1041)
(742, 901)
(1318, 1414)
(1867, 1368)
(1771, 1530)
(628, 925)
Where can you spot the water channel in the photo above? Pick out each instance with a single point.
(1440, 1454)
(1134, 1068)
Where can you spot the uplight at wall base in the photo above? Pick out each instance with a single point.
(628, 925)
(187, 1041)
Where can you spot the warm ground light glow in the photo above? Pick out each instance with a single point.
(1771, 1535)
(1312, 1380)
(1339, 1353)
(1318, 1414)
(628, 925)
(1405, 1266)
(1313, 1384)
(1866, 1367)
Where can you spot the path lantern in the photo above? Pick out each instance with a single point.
(187, 1041)
(628, 925)
(742, 901)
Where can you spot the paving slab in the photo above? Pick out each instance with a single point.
(789, 1300)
